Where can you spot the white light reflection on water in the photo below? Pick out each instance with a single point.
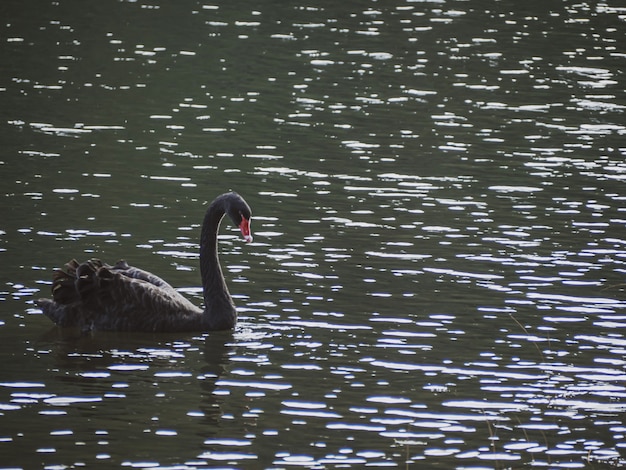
(437, 216)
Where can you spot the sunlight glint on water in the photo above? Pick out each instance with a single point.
(437, 271)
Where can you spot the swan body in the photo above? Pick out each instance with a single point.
(96, 296)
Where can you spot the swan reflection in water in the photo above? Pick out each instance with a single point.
(96, 296)
(138, 368)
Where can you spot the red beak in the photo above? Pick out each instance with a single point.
(244, 226)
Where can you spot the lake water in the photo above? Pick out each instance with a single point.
(438, 192)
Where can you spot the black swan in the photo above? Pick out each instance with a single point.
(96, 296)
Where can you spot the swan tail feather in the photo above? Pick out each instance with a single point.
(61, 315)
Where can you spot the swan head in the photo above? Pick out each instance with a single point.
(241, 215)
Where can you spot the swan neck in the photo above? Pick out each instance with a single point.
(219, 308)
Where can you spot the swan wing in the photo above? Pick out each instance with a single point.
(94, 295)
(124, 268)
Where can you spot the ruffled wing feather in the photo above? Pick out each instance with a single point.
(95, 295)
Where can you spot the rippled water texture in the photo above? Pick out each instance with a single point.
(437, 277)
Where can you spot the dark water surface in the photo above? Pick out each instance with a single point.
(439, 203)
